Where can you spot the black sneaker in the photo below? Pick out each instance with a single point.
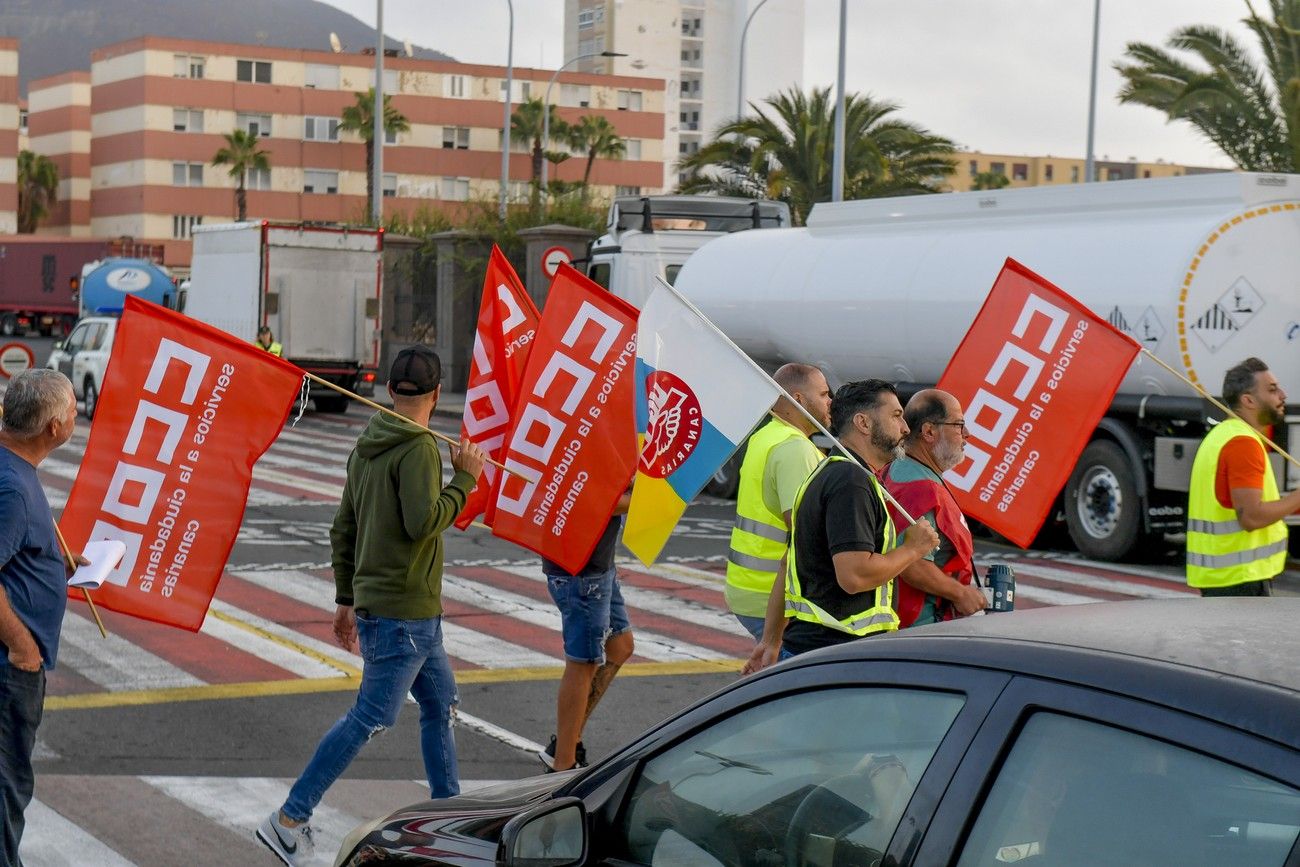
(548, 756)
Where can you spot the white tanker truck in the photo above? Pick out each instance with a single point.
(1203, 271)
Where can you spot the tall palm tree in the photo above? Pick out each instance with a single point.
(1249, 112)
(596, 137)
(359, 118)
(38, 189)
(786, 152)
(243, 152)
(526, 125)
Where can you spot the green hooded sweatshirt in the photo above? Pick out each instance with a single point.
(387, 534)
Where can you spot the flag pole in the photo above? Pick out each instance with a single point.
(1212, 399)
(72, 564)
(820, 427)
(370, 403)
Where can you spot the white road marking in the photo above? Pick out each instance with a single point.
(50, 840)
(114, 663)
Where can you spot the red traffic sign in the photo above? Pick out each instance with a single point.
(15, 358)
(553, 258)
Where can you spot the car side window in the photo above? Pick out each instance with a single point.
(817, 777)
(1074, 791)
(77, 339)
(95, 337)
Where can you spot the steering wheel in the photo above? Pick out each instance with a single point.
(831, 809)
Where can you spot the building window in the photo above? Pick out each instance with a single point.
(390, 136)
(322, 76)
(1047, 172)
(187, 66)
(256, 125)
(630, 100)
(627, 191)
(257, 179)
(317, 181)
(1146, 173)
(455, 137)
(578, 95)
(320, 128)
(974, 168)
(183, 225)
(22, 120)
(586, 19)
(187, 174)
(632, 148)
(455, 189)
(253, 70)
(453, 86)
(1114, 175)
(187, 120)
(1019, 171)
(390, 186)
(523, 91)
(585, 46)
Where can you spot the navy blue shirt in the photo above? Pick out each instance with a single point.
(31, 567)
(602, 556)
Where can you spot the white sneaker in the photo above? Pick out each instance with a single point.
(293, 846)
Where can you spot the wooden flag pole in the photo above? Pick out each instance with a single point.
(72, 564)
(370, 403)
(1212, 399)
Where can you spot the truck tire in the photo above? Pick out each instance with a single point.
(331, 403)
(8, 324)
(1102, 507)
(90, 398)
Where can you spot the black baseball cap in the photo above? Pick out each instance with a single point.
(416, 370)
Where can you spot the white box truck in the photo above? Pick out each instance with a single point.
(318, 288)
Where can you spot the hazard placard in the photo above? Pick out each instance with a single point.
(553, 258)
(15, 358)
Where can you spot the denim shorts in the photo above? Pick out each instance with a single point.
(592, 610)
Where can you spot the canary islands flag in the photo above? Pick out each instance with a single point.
(697, 398)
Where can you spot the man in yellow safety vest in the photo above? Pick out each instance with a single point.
(1236, 538)
(778, 458)
(268, 342)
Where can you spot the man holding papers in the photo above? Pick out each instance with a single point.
(39, 415)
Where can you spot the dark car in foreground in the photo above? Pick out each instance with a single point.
(1163, 732)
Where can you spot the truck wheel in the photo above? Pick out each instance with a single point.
(90, 399)
(726, 481)
(8, 325)
(331, 403)
(1102, 507)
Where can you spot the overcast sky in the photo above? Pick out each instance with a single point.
(1006, 76)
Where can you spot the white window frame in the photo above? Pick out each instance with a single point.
(453, 189)
(312, 128)
(389, 184)
(455, 138)
(586, 19)
(187, 120)
(257, 179)
(188, 65)
(630, 100)
(455, 86)
(312, 178)
(631, 148)
(183, 225)
(255, 67)
(321, 76)
(190, 174)
(246, 120)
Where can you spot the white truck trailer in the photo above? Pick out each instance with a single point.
(1203, 271)
(317, 287)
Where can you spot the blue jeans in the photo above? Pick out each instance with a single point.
(399, 656)
(753, 625)
(591, 610)
(22, 697)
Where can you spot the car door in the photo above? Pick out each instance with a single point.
(1064, 775)
(68, 354)
(811, 763)
(87, 353)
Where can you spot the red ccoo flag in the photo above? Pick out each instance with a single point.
(507, 323)
(185, 411)
(1035, 374)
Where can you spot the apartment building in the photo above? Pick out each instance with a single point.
(1035, 171)
(159, 109)
(694, 45)
(9, 124)
(58, 127)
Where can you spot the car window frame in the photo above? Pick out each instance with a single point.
(956, 814)
(608, 789)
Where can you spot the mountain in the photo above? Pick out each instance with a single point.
(58, 35)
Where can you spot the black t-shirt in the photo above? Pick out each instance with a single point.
(840, 511)
(602, 556)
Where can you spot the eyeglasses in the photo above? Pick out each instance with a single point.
(960, 424)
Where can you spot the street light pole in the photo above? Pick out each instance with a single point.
(1089, 164)
(377, 112)
(837, 171)
(505, 124)
(740, 84)
(546, 103)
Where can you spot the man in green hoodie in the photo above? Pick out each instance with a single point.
(387, 554)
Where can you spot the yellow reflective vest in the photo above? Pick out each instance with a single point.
(879, 614)
(759, 536)
(1219, 552)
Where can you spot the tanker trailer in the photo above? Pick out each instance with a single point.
(1202, 271)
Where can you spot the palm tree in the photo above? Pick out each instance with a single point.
(595, 136)
(989, 181)
(242, 153)
(1249, 112)
(526, 124)
(788, 154)
(359, 118)
(38, 188)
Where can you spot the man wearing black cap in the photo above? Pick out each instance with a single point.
(387, 555)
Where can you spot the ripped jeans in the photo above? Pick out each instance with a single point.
(399, 656)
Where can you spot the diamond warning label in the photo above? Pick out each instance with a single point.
(1228, 315)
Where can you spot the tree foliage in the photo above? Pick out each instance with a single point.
(38, 189)
(989, 181)
(595, 136)
(785, 151)
(359, 118)
(242, 152)
(527, 124)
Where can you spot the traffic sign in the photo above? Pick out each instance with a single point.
(15, 358)
(553, 258)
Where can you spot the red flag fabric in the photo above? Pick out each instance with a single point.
(1035, 374)
(573, 432)
(507, 324)
(185, 411)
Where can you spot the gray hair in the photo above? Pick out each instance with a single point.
(35, 398)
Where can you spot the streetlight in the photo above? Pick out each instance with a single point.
(740, 85)
(1088, 161)
(546, 103)
(377, 112)
(505, 124)
(837, 170)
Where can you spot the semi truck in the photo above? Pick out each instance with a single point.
(316, 287)
(1203, 271)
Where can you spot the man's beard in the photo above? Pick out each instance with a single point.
(882, 441)
(1272, 415)
(948, 455)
